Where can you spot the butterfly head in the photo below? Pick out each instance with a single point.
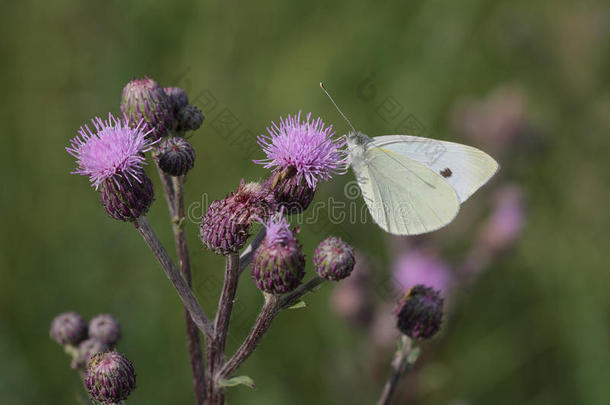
(356, 139)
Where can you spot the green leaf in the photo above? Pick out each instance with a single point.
(412, 357)
(298, 305)
(240, 380)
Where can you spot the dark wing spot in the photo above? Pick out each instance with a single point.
(446, 172)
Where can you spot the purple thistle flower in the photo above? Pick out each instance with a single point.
(112, 150)
(507, 220)
(278, 265)
(278, 230)
(306, 146)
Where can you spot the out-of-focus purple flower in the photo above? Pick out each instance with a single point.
(383, 329)
(493, 122)
(421, 266)
(112, 149)
(507, 220)
(106, 329)
(352, 299)
(305, 146)
(68, 328)
(419, 313)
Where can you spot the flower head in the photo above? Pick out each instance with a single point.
(291, 193)
(144, 99)
(334, 259)
(110, 378)
(226, 225)
(306, 146)
(68, 328)
(189, 118)
(420, 312)
(106, 329)
(87, 349)
(175, 156)
(113, 149)
(177, 98)
(278, 265)
(278, 230)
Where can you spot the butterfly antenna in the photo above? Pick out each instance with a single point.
(336, 106)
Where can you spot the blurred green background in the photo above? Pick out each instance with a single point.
(535, 327)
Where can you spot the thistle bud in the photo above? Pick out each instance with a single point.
(127, 199)
(110, 378)
(420, 312)
(106, 329)
(87, 349)
(175, 156)
(177, 98)
(291, 192)
(278, 265)
(334, 259)
(189, 118)
(68, 328)
(226, 225)
(145, 99)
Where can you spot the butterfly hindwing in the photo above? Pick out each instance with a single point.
(404, 196)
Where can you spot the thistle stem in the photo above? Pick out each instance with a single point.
(248, 253)
(400, 365)
(168, 188)
(216, 347)
(271, 308)
(192, 333)
(173, 274)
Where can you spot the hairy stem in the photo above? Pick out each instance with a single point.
(272, 306)
(216, 348)
(168, 188)
(293, 297)
(261, 326)
(192, 333)
(173, 274)
(400, 364)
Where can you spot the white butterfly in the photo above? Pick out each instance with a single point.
(414, 185)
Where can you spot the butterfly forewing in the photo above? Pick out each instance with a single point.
(465, 168)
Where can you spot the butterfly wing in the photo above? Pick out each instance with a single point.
(465, 168)
(403, 196)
